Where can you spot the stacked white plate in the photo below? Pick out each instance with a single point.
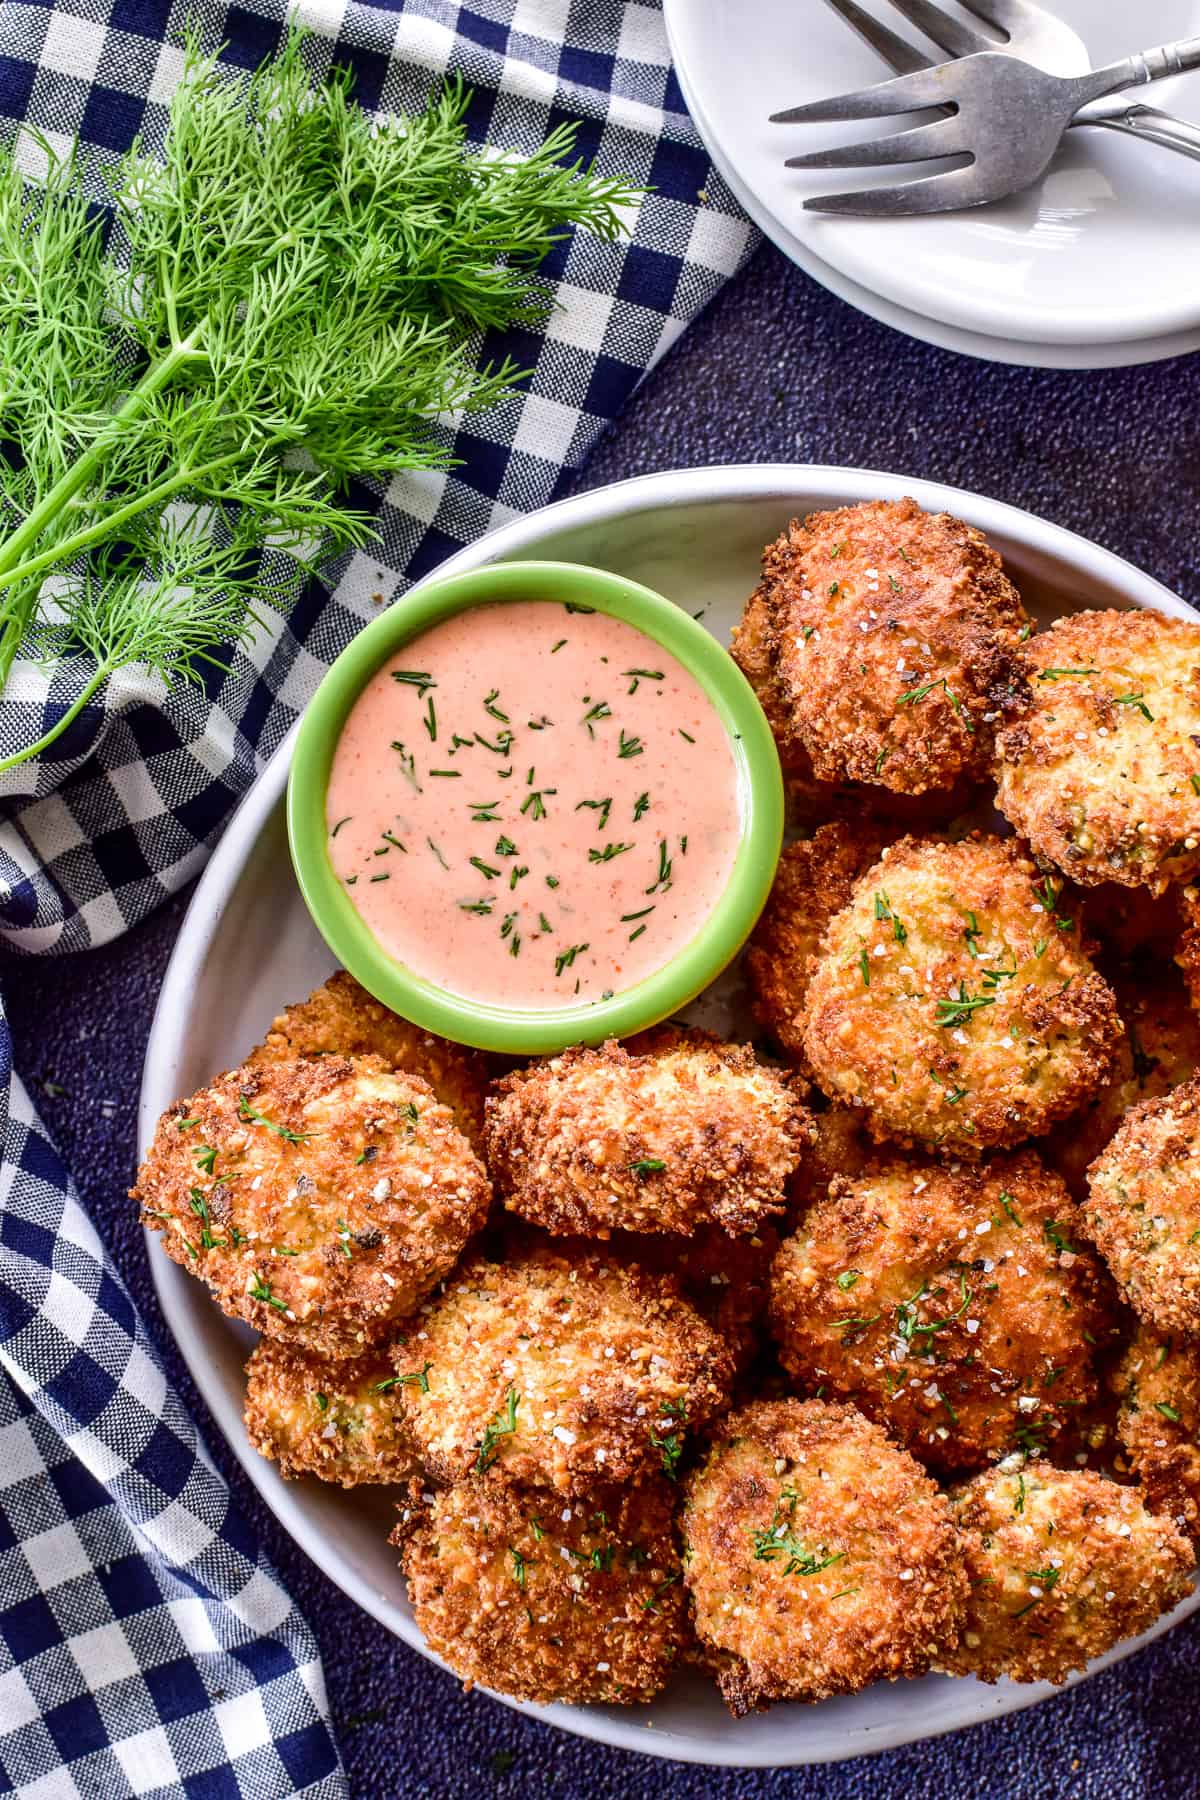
(1097, 266)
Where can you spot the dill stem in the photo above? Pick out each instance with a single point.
(103, 671)
(48, 508)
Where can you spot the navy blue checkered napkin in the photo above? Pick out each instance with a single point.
(146, 1647)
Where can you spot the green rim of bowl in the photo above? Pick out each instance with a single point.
(528, 1031)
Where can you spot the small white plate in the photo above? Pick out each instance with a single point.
(247, 947)
(1096, 266)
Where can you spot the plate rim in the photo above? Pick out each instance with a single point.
(174, 1287)
(944, 334)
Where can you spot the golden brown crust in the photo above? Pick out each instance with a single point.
(820, 1557)
(1063, 1566)
(1097, 770)
(1160, 1048)
(954, 1002)
(1158, 1384)
(959, 1307)
(813, 882)
(333, 1417)
(342, 1019)
(1143, 1208)
(754, 647)
(692, 1132)
(542, 1607)
(558, 1369)
(319, 1199)
(882, 640)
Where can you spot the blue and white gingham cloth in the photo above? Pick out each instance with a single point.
(146, 1646)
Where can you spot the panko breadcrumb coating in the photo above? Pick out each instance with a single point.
(1158, 1384)
(1160, 1049)
(755, 649)
(820, 1557)
(1143, 1208)
(813, 882)
(1063, 1566)
(558, 1369)
(319, 1199)
(883, 640)
(334, 1417)
(957, 1306)
(954, 1001)
(689, 1133)
(1100, 771)
(342, 1019)
(546, 1600)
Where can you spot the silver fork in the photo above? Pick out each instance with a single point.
(1007, 120)
(1022, 29)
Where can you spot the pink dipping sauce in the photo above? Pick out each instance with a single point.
(533, 806)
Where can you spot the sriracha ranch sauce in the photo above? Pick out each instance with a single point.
(533, 805)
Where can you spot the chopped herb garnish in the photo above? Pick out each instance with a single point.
(663, 879)
(437, 853)
(483, 812)
(848, 1277)
(333, 833)
(608, 853)
(503, 1424)
(206, 1156)
(566, 958)
(962, 1010)
(779, 1541)
(1167, 1410)
(490, 707)
(1054, 1234)
(261, 1290)
(252, 1116)
(686, 734)
(555, 648)
(418, 1378)
(883, 910)
(642, 805)
(504, 846)
(629, 746)
(520, 1564)
(417, 678)
(647, 1165)
(601, 710)
(1137, 702)
(1006, 1201)
(864, 967)
(534, 804)
(603, 807)
(1062, 674)
(914, 697)
(638, 675)
(430, 720)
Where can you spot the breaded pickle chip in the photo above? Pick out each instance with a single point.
(820, 1557)
(957, 1306)
(1100, 770)
(558, 1369)
(1143, 1208)
(319, 1199)
(882, 641)
(1063, 1566)
(334, 1417)
(1158, 1384)
(548, 1600)
(953, 1000)
(687, 1132)
(342, 1019)
(1159, 1050)
(813, 882)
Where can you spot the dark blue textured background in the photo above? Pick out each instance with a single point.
(777, 371)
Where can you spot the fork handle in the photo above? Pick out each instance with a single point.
(1143, 67)
(1146, 123)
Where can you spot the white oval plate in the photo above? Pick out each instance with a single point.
(1088, 270)
(247, 947)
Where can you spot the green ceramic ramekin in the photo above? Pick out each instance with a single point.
(528, 1031)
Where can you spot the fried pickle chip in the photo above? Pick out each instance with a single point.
(1143, 1208)
(548, 1600)
(1100, 770)
(319, 1199)
(1159, 1050)
(1063, 1566)
(882, 641)
(558, 1368)
(334, 1417)
(813, 882)
(342, 1019)
(820, 1557)
(1158, 1384)
(954, 1001)
(957, 1306)
(688, 1132)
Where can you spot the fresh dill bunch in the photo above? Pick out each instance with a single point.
(290, 298)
